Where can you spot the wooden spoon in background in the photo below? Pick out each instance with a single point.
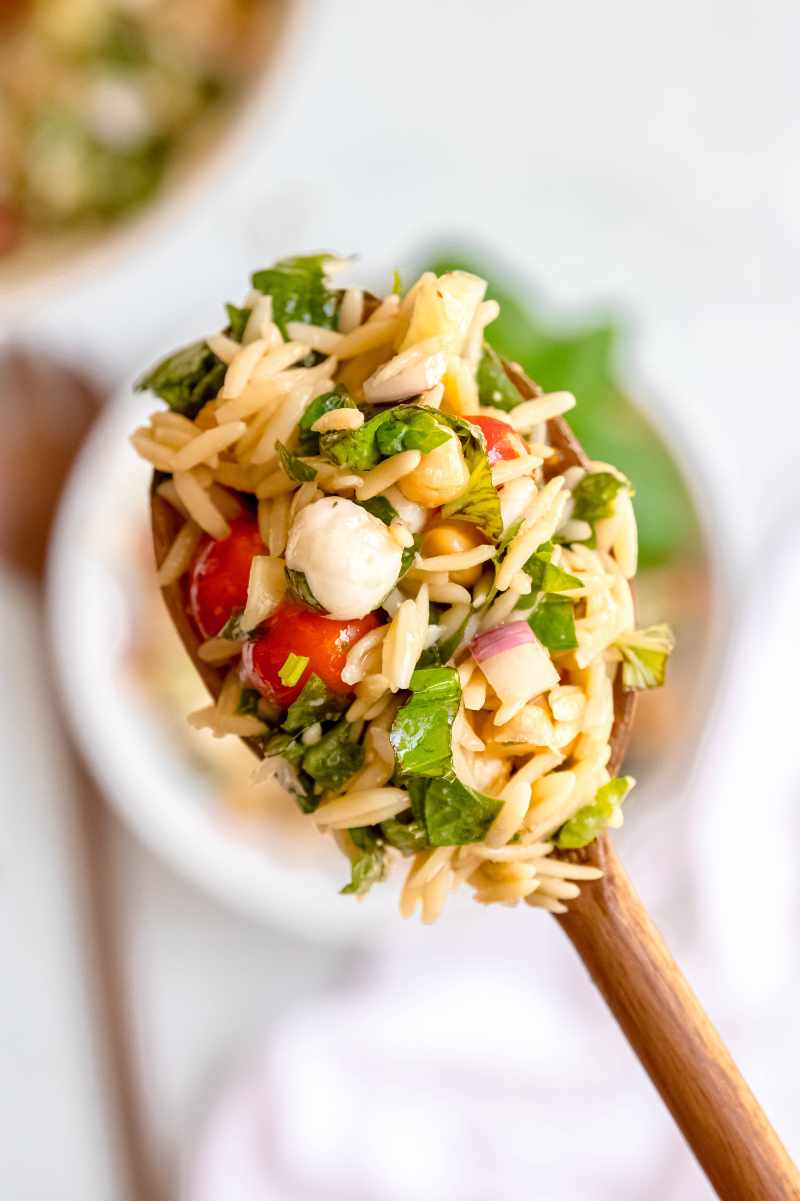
(625, 955)
(48, 411)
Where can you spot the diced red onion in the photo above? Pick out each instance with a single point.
(501, 638)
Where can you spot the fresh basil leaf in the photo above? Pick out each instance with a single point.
(248, 702)
(381, 508)
(315, 703)
(440, 653)
(420, 733)
(295, 468)
(334, 759)
(292, 669)
(408, 837)
(308, 441)
(553, 623)
(495, 389)
(408, 556)
(456, 815)
(403, 427)
(370, 866)
(545, 576)
(589, 821)
(644, 657)
(299, 291)
(186, 379)
(288, 771)
(237, 321)
(479, 503)
(594, 496)
(298, 586)
(232, 628)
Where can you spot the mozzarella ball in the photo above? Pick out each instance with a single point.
(349, 558)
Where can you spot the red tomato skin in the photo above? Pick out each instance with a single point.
(296, 629)
(220, 573)
(502, 441)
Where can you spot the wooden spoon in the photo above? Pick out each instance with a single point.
(625, 955)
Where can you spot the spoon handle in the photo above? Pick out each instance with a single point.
(683, 1054)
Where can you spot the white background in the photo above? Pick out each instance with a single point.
(639, 155)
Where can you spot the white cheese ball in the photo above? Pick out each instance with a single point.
(349, 558)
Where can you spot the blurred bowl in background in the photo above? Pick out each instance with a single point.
(111, 111)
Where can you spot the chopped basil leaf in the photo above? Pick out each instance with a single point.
(334, 759)
(248, 702)
(408, 556)
(289, 774)
(495, 389)
(420, 733)
(299, 291)
(186, 379)
(295, 468)
(439, 654)
(589, 821)
(545, 576)
(292, 669)
(369, 867)
(408, 837)
(298, 586)
(455, 814)
(553, 623)
(308, 441)
(237, 321)
(381, 508)
(232, 628)
(479, 503)
(404, 427)
(315, 703)
(644, 657)
(594, 496)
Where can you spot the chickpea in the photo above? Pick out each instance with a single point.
(441, 476)
(451, 538)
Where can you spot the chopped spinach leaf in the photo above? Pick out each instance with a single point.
(404, 427)
(299, 291)
(588, 822)
(295, 468)
(186, 379)
(455, 814)
(495, 389)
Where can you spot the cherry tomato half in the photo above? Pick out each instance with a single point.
(296, 629)
(502, 442)
(220, 573)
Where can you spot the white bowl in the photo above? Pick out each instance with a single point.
(140, 764)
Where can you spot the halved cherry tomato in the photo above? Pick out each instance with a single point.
(502, 441)
(220, 573)
(296, 629)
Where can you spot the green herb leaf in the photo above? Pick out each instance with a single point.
(404, 427)
(295, 468)
(439, 654)
(420, 733)
(292, 669)
(299, 291)
(644, 657)
(237, 321)
(455, 814)
(588, 822)
(479, 503)
(381, 508)
(298, 586)
(594, 496)
(370, 866)
(334, 759)
(546, 577)
(408, 556)
(248, 702)
(186, 379)
(315, 703)
(495, 389)
(408, 837)
(289, 774)
(232, 628)
(308, 441)
(553, 623)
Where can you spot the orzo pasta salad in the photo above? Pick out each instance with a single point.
(420, 603)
